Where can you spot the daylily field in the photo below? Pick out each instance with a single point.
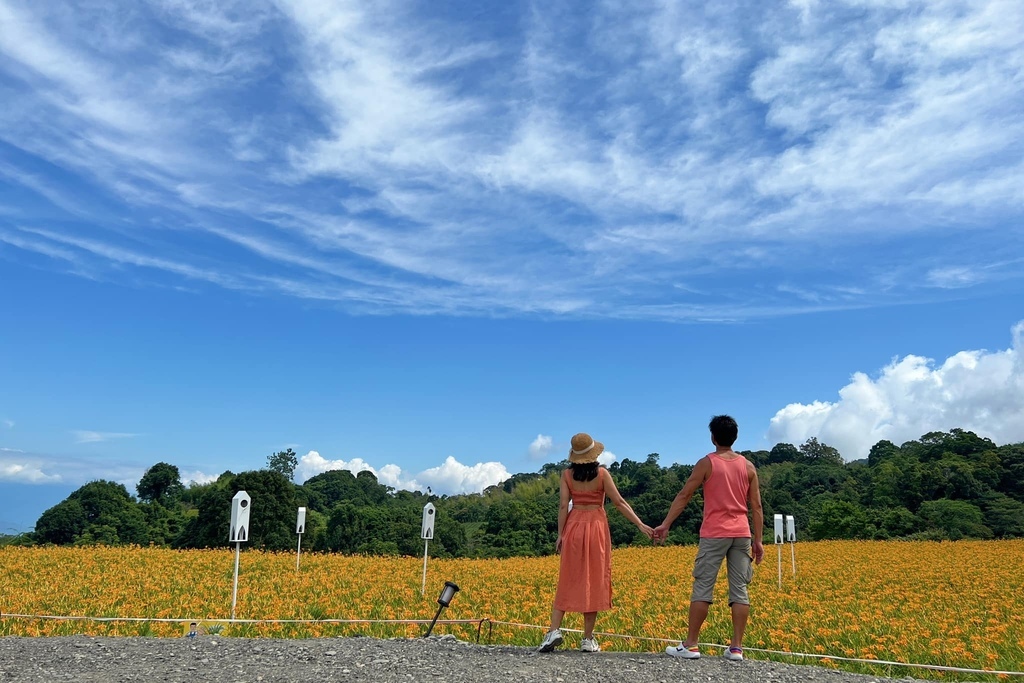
(955, 604)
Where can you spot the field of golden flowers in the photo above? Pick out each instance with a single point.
(954, 604)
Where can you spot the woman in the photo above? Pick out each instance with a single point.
(585, 542)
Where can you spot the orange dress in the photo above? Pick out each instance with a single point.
(585, 570)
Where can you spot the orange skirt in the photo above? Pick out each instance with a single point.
(585, 570)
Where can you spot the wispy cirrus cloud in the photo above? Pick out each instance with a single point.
(658, 161)
(88, 436)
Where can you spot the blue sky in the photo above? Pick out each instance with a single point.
(438, 241)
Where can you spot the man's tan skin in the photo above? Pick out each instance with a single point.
(701, 471)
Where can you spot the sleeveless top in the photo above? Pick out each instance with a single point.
(595, 497)
(725, 499)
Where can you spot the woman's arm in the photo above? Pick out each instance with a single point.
(619, 502)
(563, 509)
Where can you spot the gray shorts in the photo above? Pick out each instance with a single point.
(740, 566)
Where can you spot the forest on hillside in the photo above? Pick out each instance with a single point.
(944, 486)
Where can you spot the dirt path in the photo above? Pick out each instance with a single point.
(235, 660)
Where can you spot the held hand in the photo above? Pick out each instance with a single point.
(648, 531)
(758, 548)
(661, 532)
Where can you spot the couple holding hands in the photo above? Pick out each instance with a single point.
(584, 539)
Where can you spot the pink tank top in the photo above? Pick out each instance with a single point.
(584, 497)
(725, 499)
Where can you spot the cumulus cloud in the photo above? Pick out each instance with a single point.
(981, 391)
(313, 463)
(541, 446)
(197, 477)
(606, 458)
(454, 477)
(20, 467)
(87, 436)
(451, 477)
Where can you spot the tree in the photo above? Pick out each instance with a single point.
(61, 524)
(882, 451)
(783, 452)
(99, 512)
(955, 519)
(284, 462)
(838, 519)
(816, 451)
(161, 483)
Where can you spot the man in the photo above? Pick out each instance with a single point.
(730, 491)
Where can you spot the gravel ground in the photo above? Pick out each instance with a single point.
(443, 658)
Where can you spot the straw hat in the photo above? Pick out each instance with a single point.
(584, 449)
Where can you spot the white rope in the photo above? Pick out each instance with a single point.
(177, 620)
(883, 662)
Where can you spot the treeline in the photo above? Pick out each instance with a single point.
(946, 485)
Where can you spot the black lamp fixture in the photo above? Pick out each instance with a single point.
(447, 593)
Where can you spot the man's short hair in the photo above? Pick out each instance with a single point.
(724, 430)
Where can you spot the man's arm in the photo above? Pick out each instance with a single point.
(756, 513)
(700, 472)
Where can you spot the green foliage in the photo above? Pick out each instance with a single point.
(955, 519)
(284, 463)
(944, 486)
(160, 483)
(99, 512)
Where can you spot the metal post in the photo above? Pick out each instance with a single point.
(423, 590)
(298, 553)
(792, 550)
(234, 593)
(436, 615)
(779, 546)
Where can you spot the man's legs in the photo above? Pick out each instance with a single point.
(698, 613)
(740, 612)
(741, 571)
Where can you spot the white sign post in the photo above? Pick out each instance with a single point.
(300, 528)
(426, 533)
(778, 544)
(791, 537)
(239, 534)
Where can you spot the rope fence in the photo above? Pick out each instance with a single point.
(480, 622)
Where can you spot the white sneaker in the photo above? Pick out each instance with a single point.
(552, 640)
(734, 654)
(681, 650)
(590, 645)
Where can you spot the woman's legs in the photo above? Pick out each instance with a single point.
(556, 618)
(589, 619)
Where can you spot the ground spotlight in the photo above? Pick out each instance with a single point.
(447, 593)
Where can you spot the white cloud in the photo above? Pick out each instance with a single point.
(197, 477)
(451, 477)
(19, 467)
(392, 159)
(541, 446)
(87, 436)
(606, 458)
(313, 463)
(980, 391)
(454, 477)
